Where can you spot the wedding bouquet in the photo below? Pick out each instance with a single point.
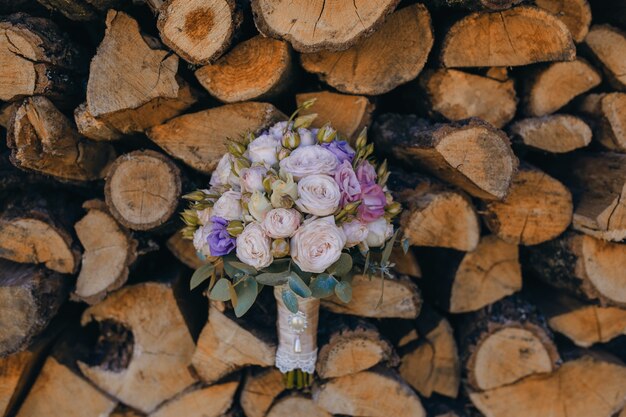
(295, 208)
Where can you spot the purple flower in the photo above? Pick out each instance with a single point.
(341, 149)
(373, 202)
(366, 173)
(348, 183)
(220, 241)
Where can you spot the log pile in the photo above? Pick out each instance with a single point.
(504, 125)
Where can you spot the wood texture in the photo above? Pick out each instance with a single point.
(259, 391)
(558, 133)
(608, 112)
(607, 44)
(576, 14)
(213, 401)
(296, 405)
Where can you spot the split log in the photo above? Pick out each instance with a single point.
(143, 189)
(348, 114)
(145, 345)
(198, 31)
(81, 10)
(198, 139)
(557, 133)
(435, 215)
(585, 387)
(42, 139)
(433, 365)
(353, 346)
(608, 110)
(519, 36)
(243, 73)
(6, 113)
(225, 345)
(584, 266)
(458, 95)
(477, 4)
(393, 55)
(368, 393)
(260, 390)
(316, 26)
(472, 155)
(93, 128)
(124, 411)
(608, 45)
(538, 208)
(184, 250)
(504, 343)
(405, 263)
(147, 90)
(556, 85)
(296, 405)
(462, 282)
(399, 299)
(576, 14)
(109, 250)
(213, 401)
(38, 59)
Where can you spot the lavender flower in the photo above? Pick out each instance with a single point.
(341, 149)
(220, 241)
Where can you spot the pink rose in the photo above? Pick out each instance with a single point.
(373, 202)
(366, 173)
(348, 183)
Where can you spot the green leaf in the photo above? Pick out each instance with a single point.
(389, 248)
(342, 266)
(247, 291)
(273, 279)
(242, 267)
(405, 245)
(201, 274)
(290, 299)
(343, 290)
(323, 286)
(366, 266)
(306, 276)
(298, 286)
(233, 295)
(220, 291)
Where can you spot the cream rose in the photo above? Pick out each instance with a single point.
(309, 160)
(282, 223)
(201, 240)
(223, 173)
(356, 232)
(228, 206)
(264, 149)
(252, 178)
(254, 247)
(259, 206)
(284, 192)
(318, 195)
(317, 244)
(205, 215)
(379, 231)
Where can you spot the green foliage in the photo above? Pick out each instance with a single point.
(342, 267)
(343, 291)
(298, 286)
(221, 290)
(201, 275)
(323, 286)
(273, 278)
(290, 299)
(247, 290)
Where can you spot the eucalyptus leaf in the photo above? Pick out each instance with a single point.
(342, 266)
(233, 295)
(200, 275)
(306, 276)
(243, 267)
(323, 286)
(247, 291)
(389, 248)
(298, 286)
(220, 291)
(405, 245)
(273, 279)
(343, 290)
(290, 299)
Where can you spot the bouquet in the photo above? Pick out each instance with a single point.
(297, 209)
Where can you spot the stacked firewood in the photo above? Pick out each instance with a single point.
(504, 122)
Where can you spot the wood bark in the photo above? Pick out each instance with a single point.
(492, 5)
(393, 55)
(472, 155)
(259, 391)
(519, 36)
(607, 110)
(213, 401)
(94, 128)
(558, 133)
(82, 10)
(576, 14)
(608, 45)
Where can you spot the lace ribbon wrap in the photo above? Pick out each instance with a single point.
(297, 334)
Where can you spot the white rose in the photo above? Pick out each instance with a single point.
(254, 247)
(379, 231)
(252, 178)
(278, 130)
(307, 138)
(309, 160)
(317, 244)
(223, 173)
(259, 206)
(264, 149)
(201, 240)
(318, 195)
(356, 232)
(228, 206)
(282, 223)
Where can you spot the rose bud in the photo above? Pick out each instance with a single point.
(291, 140)
(280, 248)
(283, 153)
(326, 134)
(235, 148)
(234, 228)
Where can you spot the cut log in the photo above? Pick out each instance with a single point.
(519, 36)
(314, 26)
(147, 90)
(184, 250)
(435, 215)
(368, 393)
(348, 114)
(42, 139)
(504, 343)
(225, 346)
(213, 401)
(608, 110)
(472, 155)
(260, 390)
(433, 365)
(405, 263)
(393, 55)
(608, 45)
(576, 14)
(538, 208)
(584, 387)
(143, 189)
(556, 85)
(109, 251)
(93, 128)
(353, 346)
(477, 4)
(463, 282)
(38, 59)
(400, 299)
(243, 73)
(81, 10)
(198, 139)
(458, 95)
(558, 133)
(296, 405)
(582, 265)
(198, 31)
(124, 411)
(145, 346)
